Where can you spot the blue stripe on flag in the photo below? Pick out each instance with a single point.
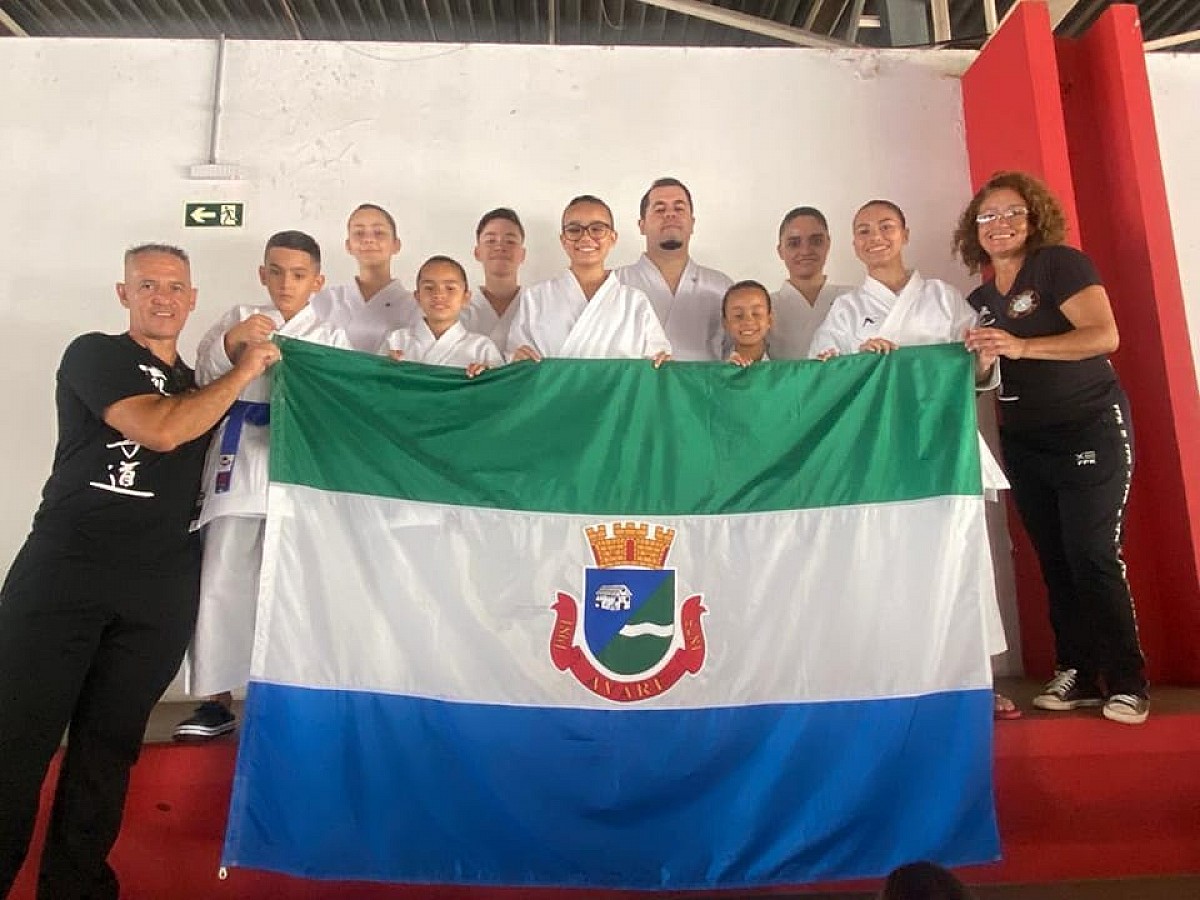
(354, 785)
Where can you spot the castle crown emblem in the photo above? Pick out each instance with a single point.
(630, 544)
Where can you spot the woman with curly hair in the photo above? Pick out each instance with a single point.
(1065, 432)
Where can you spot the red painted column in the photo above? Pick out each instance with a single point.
(1013, 114)
(1126, 229)
(1014, 120)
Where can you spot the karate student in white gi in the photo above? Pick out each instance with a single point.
(500, 249)
(686, 296)
(897, 307)
(375, 302)
(746, 312)
(802, 302)
(440, 339)
(234, 484)
(586, 313)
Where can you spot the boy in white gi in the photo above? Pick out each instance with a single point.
(746, 313)
(234, 485)
(500, 249)
(374, 303)
(440, 339)
(586, 313)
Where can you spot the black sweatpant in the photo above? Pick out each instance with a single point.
(1071, 486)
(90, 647)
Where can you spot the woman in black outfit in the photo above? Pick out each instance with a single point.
(1065, 432)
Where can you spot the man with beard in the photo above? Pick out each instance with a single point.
(500, 249)
(686, 297)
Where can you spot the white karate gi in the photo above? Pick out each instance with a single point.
(926, 311)
(691, 317)
(219, 657)
(456, 347)
(796, 319)
(556, 319)
(480, 317)
(366, 321)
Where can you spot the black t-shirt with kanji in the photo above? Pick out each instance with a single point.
(1039, 393)
(109, 500)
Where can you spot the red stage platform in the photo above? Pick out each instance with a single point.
(1078, 798)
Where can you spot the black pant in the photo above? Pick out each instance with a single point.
(85, 646)
(1070, 486)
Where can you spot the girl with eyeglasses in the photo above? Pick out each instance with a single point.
(1065, 432)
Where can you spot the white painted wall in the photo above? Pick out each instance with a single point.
(1175, 89)
(96, 139)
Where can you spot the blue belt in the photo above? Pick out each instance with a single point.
(240, 413)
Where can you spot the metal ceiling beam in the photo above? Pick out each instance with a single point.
(939, 11)
(753, 24)
(9, 24)
(1173, 41)
(904, 22)
(1059, 10)
(823, 15)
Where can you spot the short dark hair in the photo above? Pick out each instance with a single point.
(448, 261)
(741, 286)
(795, 213)
(590, 198)
(500, 212)
(168, 249)
(1047, 223)
(662, 183)
(379, 209)
(889, 204)
(295, 240)
(923, 881)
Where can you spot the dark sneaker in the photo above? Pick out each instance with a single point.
(1129, 709)
(211, 719)
(1064, 691)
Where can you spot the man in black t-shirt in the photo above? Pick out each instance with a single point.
(100, 602)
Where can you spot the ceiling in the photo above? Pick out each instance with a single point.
(694, 23)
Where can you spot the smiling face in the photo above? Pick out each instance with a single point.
(291, 277)
(879, 236)
(1006, 234)
(370, 238)
(748, 317)
(158, 293)
(500, 248)
(441, 293)
(583, 248)
(668, 222)
(804, 247)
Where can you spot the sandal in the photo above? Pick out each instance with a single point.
(1003, 708)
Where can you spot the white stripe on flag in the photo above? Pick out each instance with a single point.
(454, 603)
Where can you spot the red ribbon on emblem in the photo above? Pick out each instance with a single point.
(567, 655)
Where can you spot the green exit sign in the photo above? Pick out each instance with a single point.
(213, 215)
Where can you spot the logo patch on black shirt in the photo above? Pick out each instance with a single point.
(1023, 304)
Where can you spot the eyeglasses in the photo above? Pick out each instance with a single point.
(597, 231)
(1013, 212)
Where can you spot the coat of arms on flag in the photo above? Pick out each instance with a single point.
(636, 640)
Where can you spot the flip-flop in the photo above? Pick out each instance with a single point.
(1003, 709)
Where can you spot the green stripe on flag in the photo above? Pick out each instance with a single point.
(617, 437)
